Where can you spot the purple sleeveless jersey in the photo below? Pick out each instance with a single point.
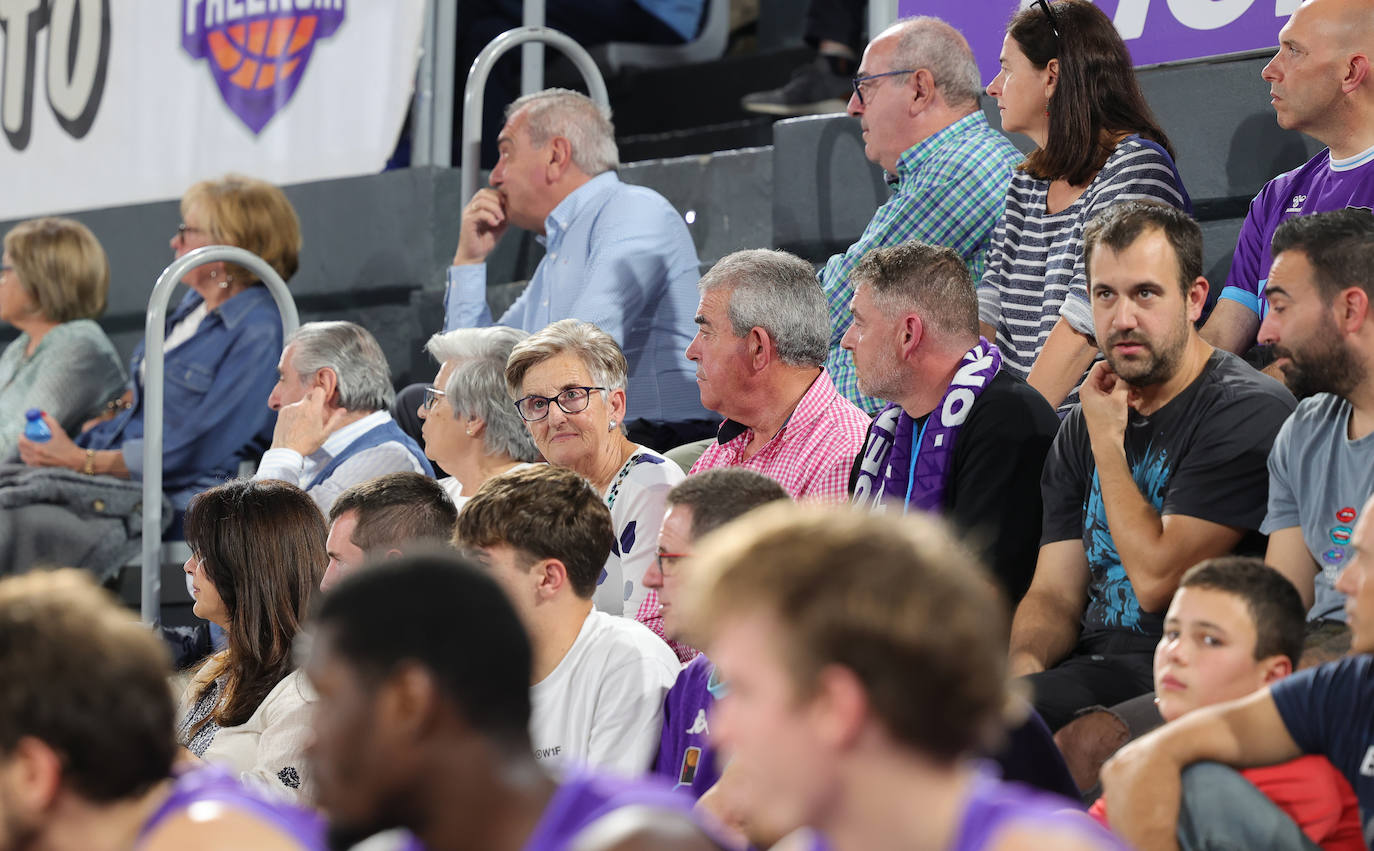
(583, 798)
(685, 756)
(209, 784)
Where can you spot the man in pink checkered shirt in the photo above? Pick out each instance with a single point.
(763, 332)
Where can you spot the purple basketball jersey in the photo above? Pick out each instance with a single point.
(1319, 186)
(584, 798)
(685, 756)
(208, 784)
(993, 805)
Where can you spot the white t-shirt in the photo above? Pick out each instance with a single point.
(603, 705)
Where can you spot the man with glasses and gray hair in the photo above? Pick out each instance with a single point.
(617, 256)
(916, 98)
(759, 350)
(333, 430)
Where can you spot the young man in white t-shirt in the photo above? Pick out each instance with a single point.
(598, 681)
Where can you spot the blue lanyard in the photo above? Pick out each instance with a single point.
(915, 454)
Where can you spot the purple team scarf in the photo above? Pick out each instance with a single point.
(912, 472)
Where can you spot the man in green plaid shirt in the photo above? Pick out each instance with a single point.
(916, 98)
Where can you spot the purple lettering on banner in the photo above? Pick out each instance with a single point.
(257, 50)
(1154, 30)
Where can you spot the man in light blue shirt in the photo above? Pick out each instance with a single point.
(616, 255)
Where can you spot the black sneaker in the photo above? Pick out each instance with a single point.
(815, 89)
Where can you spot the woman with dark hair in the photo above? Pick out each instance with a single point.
(258, 554)
(1066, 82)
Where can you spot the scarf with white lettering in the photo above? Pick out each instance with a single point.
(895, 468)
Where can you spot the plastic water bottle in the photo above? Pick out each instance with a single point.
(35, 429)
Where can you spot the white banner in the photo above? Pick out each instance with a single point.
(111, 102)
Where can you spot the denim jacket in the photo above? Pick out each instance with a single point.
(214, 405)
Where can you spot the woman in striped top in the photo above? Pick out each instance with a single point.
(1066, 82)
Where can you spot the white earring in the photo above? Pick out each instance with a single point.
(612, 426)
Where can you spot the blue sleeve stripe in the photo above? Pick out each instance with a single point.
(1240, 295)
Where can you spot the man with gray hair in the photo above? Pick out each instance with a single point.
(333, 430)
(961, 437)
(759, 349)
(916, 98)
(617, 256)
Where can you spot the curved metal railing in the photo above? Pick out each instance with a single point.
(155, 333)
(474, 91)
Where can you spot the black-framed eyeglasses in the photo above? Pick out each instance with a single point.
(570, 400)
(432, 396)
(667, 562)
(859, 82)
(1049, 14)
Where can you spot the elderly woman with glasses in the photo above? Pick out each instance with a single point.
(1067, 83)
(54, 280)
(470, 427)
(568, 381)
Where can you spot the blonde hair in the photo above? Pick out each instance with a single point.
(61, 266)
(251, 214)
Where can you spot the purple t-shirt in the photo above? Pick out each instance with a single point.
(583, 798)
(208, 784)
(993, 806)
(685, 756)
(1319, 186)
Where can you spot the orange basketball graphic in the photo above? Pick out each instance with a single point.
(259, 62)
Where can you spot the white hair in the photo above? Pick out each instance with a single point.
(477, 386)
(574, 116)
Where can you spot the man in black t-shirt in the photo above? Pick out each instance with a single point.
(1161, 466)
(1327, 710)
(960, 438)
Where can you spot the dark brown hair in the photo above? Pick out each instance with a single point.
(1339, 245)
(1098, 97)
(543, 512)
(83, 676)
(262, 544)
(718, 496)
(1272, 601)
(396, 509)
(1120, 225)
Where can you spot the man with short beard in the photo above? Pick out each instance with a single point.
(1321, 469)
(1162, 466)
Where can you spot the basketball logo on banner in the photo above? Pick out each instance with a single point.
(257, 50)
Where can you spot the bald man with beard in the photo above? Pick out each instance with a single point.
(1321, 84)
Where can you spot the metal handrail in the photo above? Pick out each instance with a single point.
(475, 89)
(155, 334)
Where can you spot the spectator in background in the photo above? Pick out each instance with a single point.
(471, 429)
(869, 640)
(1321, 469)
(961, 437)
(383, 518)
(617, 256)
(257, 557)
(569, 381)
(1325, 710)
(598, 681)
(54, 280)
(696, 507)
(1162, 466)
(760, 347)
(1234, 627)
(1320, 86)
(1067, 83)
(222, 343)
(333, 430)
(423, 670)
(917, 101)
(85, 755)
